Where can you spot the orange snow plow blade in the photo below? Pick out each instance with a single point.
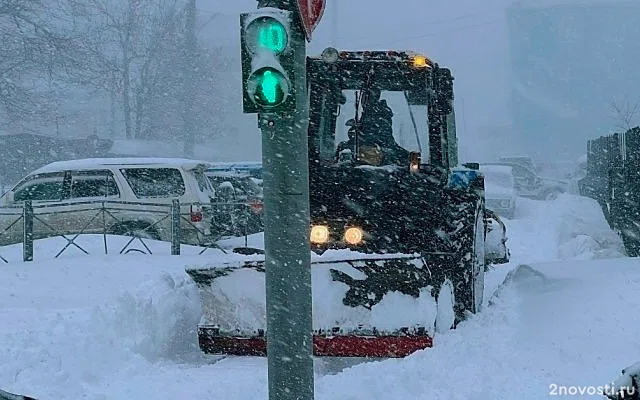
(378, 306)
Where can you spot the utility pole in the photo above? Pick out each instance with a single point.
(274, 83)
(189, 70)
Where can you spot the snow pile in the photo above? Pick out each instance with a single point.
(445, 314)
(569, 227)
(157, 321)
(465, 363)
(583, 232)
(122, 327)
(547, 326)
(66, 326)
(236, 303)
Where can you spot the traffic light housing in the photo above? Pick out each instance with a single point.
(267, 61)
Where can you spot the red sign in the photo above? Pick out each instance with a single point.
(310, 12)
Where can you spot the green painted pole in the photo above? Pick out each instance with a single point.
(286, 236)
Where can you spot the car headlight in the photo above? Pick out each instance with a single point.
(505, 203)
(353, 235)
(319, 234)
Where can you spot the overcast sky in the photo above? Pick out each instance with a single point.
(468, 36)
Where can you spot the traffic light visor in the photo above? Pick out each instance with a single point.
(266, 33)
(268, 87)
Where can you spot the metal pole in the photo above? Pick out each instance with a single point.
(175, 227)
(103, 210)
(286, 235)
(27, 234)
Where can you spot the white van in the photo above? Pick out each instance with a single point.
(123, 196)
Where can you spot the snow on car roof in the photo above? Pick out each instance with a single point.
(227, 174)
(506, 169)
(237, 164)
(136, 161)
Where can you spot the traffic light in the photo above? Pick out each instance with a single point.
(267, 61)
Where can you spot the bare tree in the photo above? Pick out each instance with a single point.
(128, 39)
(38, 44)
(624, 113)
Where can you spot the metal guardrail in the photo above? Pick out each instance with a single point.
(162, 222)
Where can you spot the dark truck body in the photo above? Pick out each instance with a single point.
(613, 180)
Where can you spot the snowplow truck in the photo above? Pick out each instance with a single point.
(397, 227)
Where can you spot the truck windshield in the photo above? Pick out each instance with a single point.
(389, 122)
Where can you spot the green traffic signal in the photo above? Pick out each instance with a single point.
(267, 33)
(272, 36)
(268, 87)
(267, 64)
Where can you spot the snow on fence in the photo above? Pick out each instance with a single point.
(128, 226)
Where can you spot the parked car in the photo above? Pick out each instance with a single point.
(530, 184)
(496, 250)
(239, 201)
(524, 161)
(134, 194)
(500, 192)
(252, 168)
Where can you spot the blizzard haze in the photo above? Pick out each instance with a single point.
(531, 77)
(446, 32)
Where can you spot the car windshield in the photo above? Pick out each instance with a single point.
(498, 178)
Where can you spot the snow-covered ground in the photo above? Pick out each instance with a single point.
(121, 327)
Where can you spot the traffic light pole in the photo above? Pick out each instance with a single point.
(286, 234)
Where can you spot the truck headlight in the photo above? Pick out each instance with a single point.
(319, 234)
(353, 235)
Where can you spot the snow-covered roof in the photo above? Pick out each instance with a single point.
(136, 161)
(505, 169)
(236, 165)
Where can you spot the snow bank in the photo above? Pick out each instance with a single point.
(470, 362)
(570, 227)
(236, 303)
(121, 327)
(156, 321)
(583, 232)
(68, 324)
(563, 325)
